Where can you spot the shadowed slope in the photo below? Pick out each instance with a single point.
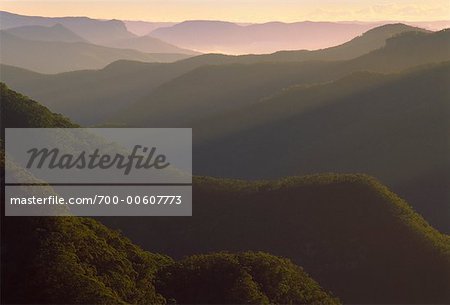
(351, 233)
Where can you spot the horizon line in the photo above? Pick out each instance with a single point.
(230, 21)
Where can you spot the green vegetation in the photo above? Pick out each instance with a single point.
(406, 50)
(19, 111)
(353, 235)
(349, 232)
(75, 260)
(394, 127)
(246, 278)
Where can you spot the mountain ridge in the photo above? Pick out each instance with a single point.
(93, 30)
(231, 38)
(55, 56)
(228, 86)
(55, 32)
(116, 89)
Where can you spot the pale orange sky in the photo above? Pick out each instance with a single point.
(237, 10)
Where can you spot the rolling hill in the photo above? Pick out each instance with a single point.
(394, 127)
(210, 90)
(351, 233)
(117, 85)
(95, 31)
(123, 83)
(56, 56)
(17, 109)
(91, 264)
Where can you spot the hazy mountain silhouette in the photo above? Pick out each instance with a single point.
(212, 89)
(123, 83)
(95, 31)
(149, 44)
(117, 85)
(56, 32)
(227, 37)
(213, 36)
(207, 92)
(369, 41)
(432, 25)
(142, 28)
(56, 56)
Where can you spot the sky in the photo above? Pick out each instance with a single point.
(237, 10)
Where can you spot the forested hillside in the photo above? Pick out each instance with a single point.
(349, 232)
(76, 260)
(393, 127)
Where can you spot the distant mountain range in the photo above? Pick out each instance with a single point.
(47, 56)
(124, 83)
(313, 131)
(55, 32)
(149, 44)
(94, 44)
(185, 99)
(207, 36)
(95, 31)
(142, 28)
(231, 38)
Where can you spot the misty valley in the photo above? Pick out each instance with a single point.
(320, 160)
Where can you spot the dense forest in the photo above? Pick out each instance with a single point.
(300, 218)
(320, 177)
(68, 260)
